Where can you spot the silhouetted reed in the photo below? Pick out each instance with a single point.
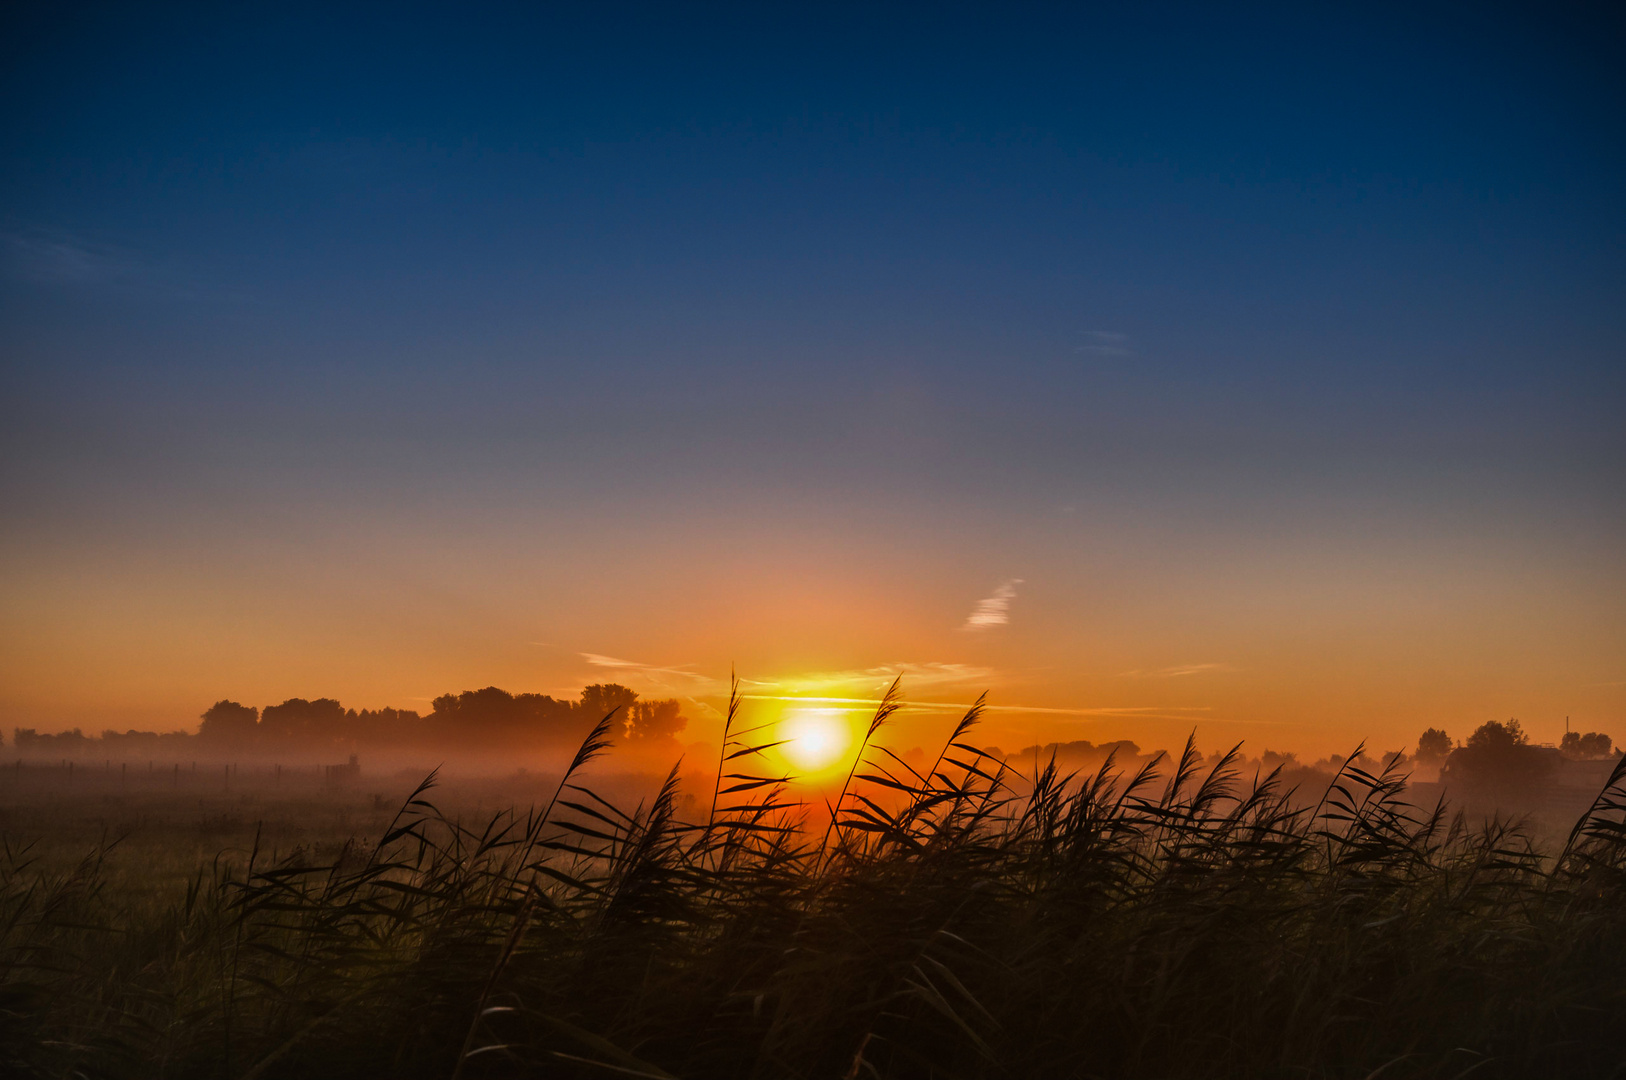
(960, 921)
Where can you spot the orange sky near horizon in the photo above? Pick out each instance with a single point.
(1077, 629)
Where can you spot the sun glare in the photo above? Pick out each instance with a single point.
(814, 738)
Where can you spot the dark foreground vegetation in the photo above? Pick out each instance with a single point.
(951, 921)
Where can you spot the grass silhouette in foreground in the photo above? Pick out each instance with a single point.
(960, 922)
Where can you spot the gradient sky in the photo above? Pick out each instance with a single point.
(1152, 367)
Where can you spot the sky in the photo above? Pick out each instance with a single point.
(1258, 372)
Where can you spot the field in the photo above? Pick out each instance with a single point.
(951, 921)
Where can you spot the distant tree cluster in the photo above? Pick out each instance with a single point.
(1589, 747)
(652, 722)
(1499, 755)
(474, 720)
(27, 740)
(31, 743)
(1433, 746)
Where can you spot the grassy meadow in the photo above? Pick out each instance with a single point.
(955, 920)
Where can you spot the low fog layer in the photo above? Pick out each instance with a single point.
(492, 733)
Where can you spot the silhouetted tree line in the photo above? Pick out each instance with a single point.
(1592, 746)
(1499, 756)
(473, 721)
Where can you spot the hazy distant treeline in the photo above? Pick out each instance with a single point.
(1497, 756)
(474, 721)
(1084, 757)
(493, 721)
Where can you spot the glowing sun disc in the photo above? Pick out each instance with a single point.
(815, 738)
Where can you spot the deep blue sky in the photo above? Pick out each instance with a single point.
(1043, 294)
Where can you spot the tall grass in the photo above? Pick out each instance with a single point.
(959, 921)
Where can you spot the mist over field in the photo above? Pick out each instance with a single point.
(502, 741)
(312, 771)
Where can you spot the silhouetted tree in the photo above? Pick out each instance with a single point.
(1079, 754)
(482, 714)
(1589, 747)
(654, 721)
(385, 728)
(493, 718)
(1273, 758)
(298, 723)
(27, 740)
(600, 698)
(1495, 736)
(134, 743)
(1498, 757)
(1433, 745)
(228, 723)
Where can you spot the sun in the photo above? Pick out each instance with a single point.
(815, 739)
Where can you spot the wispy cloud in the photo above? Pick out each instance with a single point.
(684, 680)
(994, 610)
(61, 258)
(1141, 712)
(916, 676)
(1105, 343)
(1177, 671)
(636, 667)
